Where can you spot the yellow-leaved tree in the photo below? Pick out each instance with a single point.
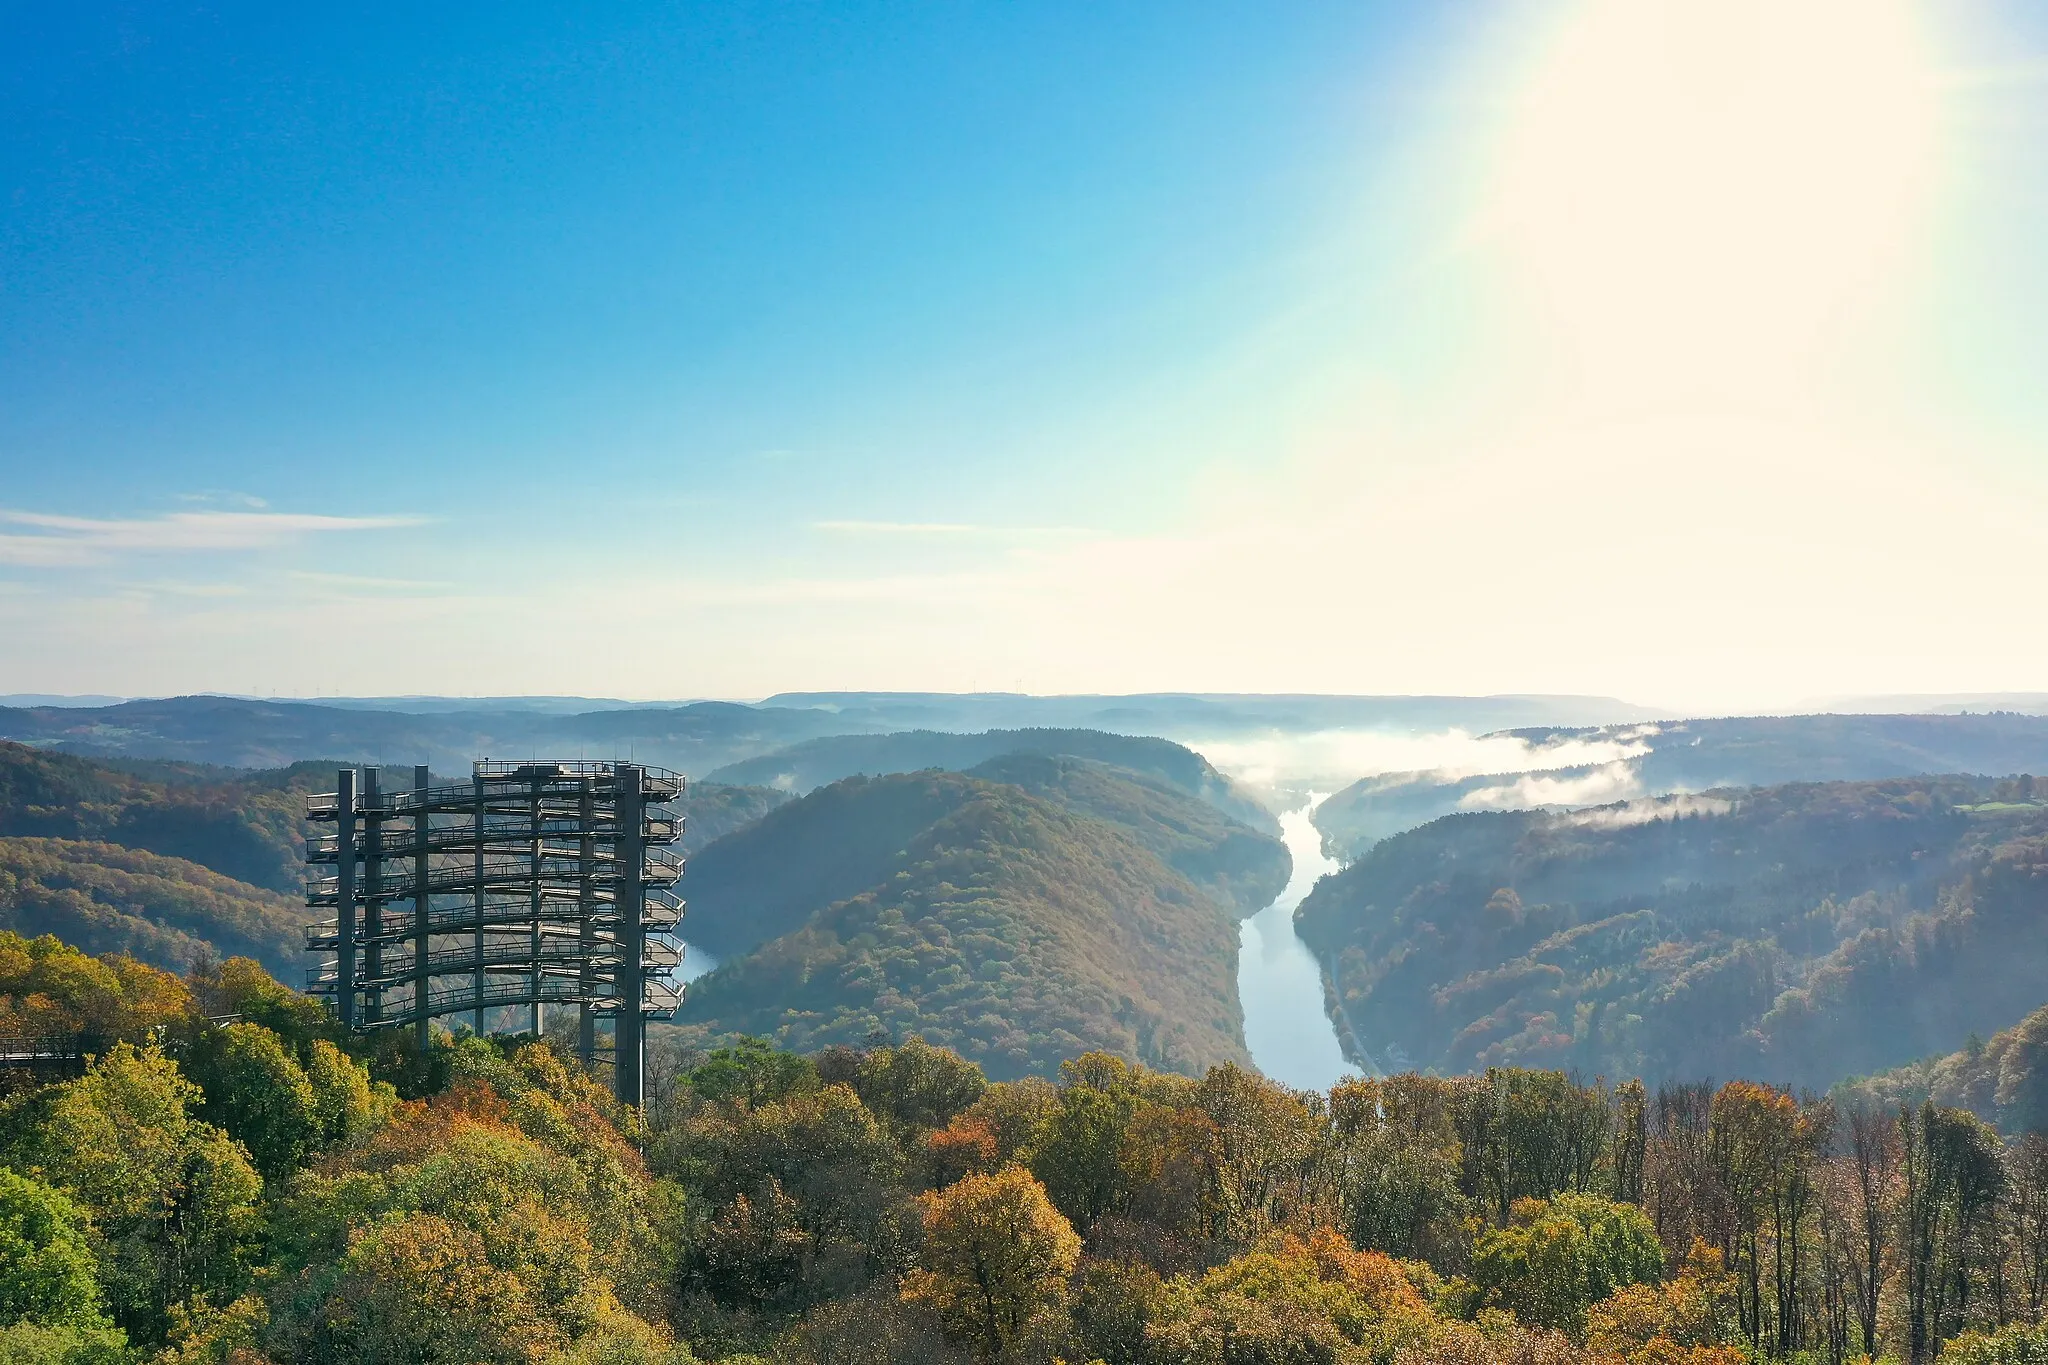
(996, 1252)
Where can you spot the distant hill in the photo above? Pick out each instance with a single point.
(712, 810)
(269, 734)
(1011, 926)
(814, 763)
(166, 911)
(1207, 715)
(248, 826)
(1691, 755)
(2003, 1080)
(1798, 933)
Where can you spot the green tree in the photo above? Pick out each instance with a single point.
(46, 1262)
(917, 1086)
(28, 1343)
(173, 1200)
(1556, 1258)
(1952, 1164)
(422, 1290)
(1078, 1155)
(1397, 1161)
(752, 1072)
(259, 1094)
(344, 1105)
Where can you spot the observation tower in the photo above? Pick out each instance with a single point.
(532, 884)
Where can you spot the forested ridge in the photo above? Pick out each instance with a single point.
(2002, 1079)
(1804, 932)
(245, 825)
(269, 1191)
(1691, 755)
(1019, 928)
(818, 762)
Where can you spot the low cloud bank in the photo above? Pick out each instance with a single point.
(1344, 756)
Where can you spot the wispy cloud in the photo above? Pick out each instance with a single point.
(51, 541)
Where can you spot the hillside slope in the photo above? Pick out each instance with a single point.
(972, 912)
(165, 911)
(244, 825)
(1242, 868)
(1800, 933)
(712, 810)
(1691, 755)
(815, 763)
(2003, 1081)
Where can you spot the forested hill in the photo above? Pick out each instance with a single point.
(165, 911)
(244, 825)
(1801, 933)
(1009, 926)
(1241, 867)
(2002, 1080)
(814, 763)
(1615, 761)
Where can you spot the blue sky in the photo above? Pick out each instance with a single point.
(720, 350)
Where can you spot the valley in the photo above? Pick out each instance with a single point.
(1097, 977)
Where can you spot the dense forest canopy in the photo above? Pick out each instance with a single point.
(1019, 928)
(271, 1191)
(245, 825)
(1803, 932)
(104, 897)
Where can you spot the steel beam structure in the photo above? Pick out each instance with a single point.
(532, 884)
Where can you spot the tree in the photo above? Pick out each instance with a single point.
(751, 1073)
(1260, 1161)
(1556, 1258)
(1874, 1162)
(1531, 1134)
(46, 1262)
(917, 1086)
(172, 1199)
(258, 1094)
(1291, 1299)
(1079, 1152)
(422, 1290)
(1953, 1173)
(344, 1105)
(996, 1252)
(1764, 1151)
(1398, 1162)
(1653, 1323)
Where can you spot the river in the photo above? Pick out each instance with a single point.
(1278, 981)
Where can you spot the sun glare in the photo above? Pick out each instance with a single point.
(1708, 195)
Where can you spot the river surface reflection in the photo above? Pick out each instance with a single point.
(1278, 981)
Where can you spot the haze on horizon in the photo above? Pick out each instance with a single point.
(1685, 352)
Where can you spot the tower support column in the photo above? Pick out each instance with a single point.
(422, 906)
(630, 853)
(345, 895)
